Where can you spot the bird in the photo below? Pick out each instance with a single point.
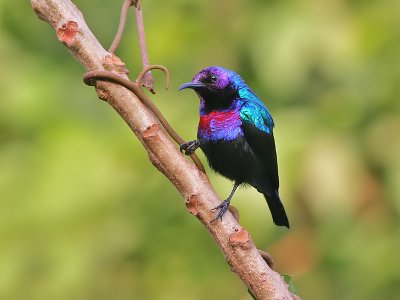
(235, 133)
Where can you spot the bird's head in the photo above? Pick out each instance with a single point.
(216, 86)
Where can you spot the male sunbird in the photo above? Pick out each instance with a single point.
(236, 135)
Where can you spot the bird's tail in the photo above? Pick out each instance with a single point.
(277, 210)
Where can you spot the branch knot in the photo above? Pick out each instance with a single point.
(67, 32)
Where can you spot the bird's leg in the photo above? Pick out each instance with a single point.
(189, 147)
(223, 207)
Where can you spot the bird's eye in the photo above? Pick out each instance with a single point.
(214, 78)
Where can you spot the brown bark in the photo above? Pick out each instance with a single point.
(234, 241)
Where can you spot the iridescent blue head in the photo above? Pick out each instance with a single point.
(217, 87)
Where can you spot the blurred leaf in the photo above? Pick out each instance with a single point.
(289, 280)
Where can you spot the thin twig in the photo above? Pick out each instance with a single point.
(121, 26)
(147, 81)
(142, 73)
(147, 78)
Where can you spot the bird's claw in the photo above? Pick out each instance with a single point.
(223, 207)
(188, 148)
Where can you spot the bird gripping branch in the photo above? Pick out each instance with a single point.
(236, 134)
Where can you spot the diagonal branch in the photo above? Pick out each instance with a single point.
(234, 241)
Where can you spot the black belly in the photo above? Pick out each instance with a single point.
(233, 159)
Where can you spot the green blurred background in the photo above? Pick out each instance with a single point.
(84, 214)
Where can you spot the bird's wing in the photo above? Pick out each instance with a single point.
(257, 126)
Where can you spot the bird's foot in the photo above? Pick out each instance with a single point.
(223, 207)
(189, 147)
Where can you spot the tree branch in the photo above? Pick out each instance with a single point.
(234, 241)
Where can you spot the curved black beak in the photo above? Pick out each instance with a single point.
(191, 85)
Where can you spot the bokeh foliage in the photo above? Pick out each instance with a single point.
(84, 215)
